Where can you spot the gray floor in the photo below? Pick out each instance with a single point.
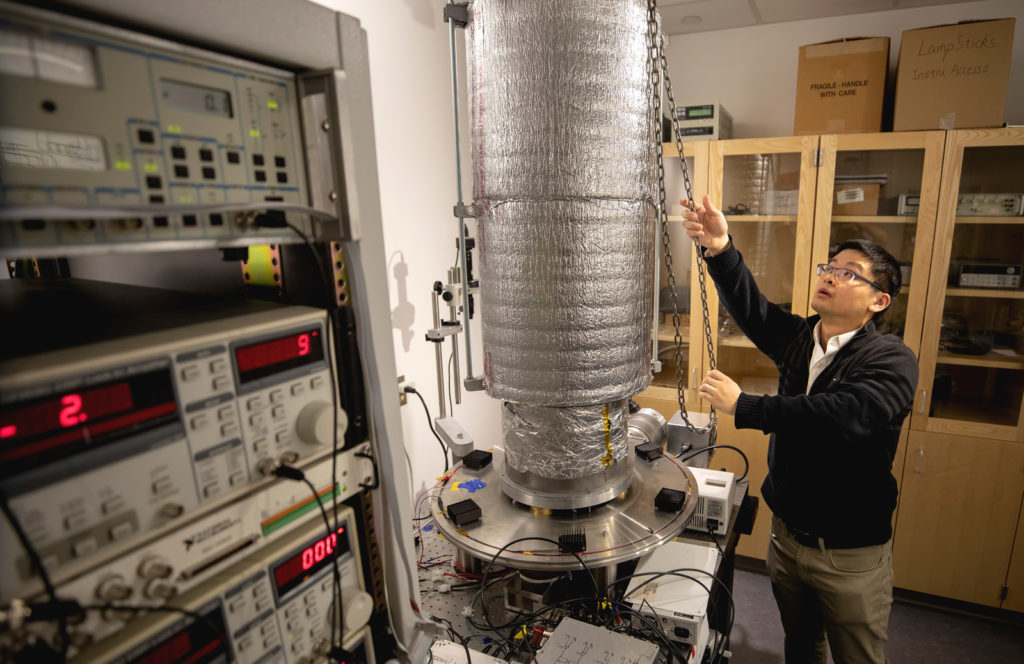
(917, 634)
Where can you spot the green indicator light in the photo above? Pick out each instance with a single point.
(255, 133)
(123, 165)
(151, 168)
(344, 488)
(272, 105)
(174, 129)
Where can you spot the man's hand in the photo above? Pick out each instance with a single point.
(720, 391)
(707, 225)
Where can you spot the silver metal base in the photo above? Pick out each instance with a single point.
(622, 529)
(567, 494)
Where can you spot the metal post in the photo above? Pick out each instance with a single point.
(458, 188)
(438, 357)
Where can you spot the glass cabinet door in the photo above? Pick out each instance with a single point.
(662, 394)
(883, 188)
(765, 187)
(972, 378)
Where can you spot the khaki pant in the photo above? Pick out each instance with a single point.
(844, 594)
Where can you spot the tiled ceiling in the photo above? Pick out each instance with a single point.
(682, 16)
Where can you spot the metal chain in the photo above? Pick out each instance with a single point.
(658, 69)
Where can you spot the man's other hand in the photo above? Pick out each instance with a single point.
(720, 391)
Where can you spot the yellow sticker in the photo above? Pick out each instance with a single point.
(151, 168)
(272, 105)
(123, 165)
(255, 133)
(174, 129)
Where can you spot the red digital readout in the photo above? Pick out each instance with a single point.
(66, 411)
(312, 558)
(274, 352)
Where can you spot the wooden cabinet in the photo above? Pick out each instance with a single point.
(959, 508)
(972, 351)
(960, 462)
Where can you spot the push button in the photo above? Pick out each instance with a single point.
(191, 372)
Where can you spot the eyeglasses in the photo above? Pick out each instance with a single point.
(844, 276)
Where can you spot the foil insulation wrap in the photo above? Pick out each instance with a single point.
(565, 443)
(564, 139)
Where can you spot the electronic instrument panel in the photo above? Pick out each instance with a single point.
(186, 402)
(94, 115)
(273, 606)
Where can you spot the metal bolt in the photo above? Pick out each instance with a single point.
(326, 125)
(333, 196)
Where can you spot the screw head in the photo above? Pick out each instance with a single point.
(333, 196)
(326, 125)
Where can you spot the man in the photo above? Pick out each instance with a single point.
(844, 391)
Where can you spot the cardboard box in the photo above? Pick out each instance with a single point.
(953, 76)
(855, 198)
(840, 86)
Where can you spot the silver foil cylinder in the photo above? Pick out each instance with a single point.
(566, 458)
(564, 138)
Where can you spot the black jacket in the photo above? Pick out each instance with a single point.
(831, 449)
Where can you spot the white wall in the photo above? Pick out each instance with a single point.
(752, 71)
(411, 82)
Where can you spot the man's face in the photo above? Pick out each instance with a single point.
(840, 298)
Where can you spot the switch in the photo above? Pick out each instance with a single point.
(309, 599)
(278, 412)
(282, 437)
(225, 413)
(317, 382)
(277, 396)
(198, 422)
(112, 505)
(229, 429)
(260, 446)
(191, 372)
(218, 365)
(254, 403)
(258, 420)
(121, 530)
(83, 547)
(236, 478)
(221, 382)
(75, 521)
(162, 485)
(297, 389)
(211, 490)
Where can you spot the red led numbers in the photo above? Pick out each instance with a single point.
(72, 414)
(319, 551)
(303, 344)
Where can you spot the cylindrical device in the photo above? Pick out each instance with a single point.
(564, 140)
(564, 123)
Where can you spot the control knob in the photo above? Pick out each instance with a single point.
(113, 589)
(313, 425)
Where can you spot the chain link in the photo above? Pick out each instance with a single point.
(658, 68)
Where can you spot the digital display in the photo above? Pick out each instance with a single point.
(36, 431)
(195, 643)
(699, 112)
(195, 98)
(291, 572)
(257, 361)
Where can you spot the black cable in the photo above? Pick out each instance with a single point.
(430, 423)
(711, 534)
(693, 453)
(37, 563)
(291, 473)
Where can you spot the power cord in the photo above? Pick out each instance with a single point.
(698, 451)
(430, 423)
(292, 473)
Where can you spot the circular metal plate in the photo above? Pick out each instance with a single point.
(623, 529)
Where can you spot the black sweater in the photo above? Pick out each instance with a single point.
(831, 448)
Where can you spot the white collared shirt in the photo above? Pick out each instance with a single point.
(820, 359)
